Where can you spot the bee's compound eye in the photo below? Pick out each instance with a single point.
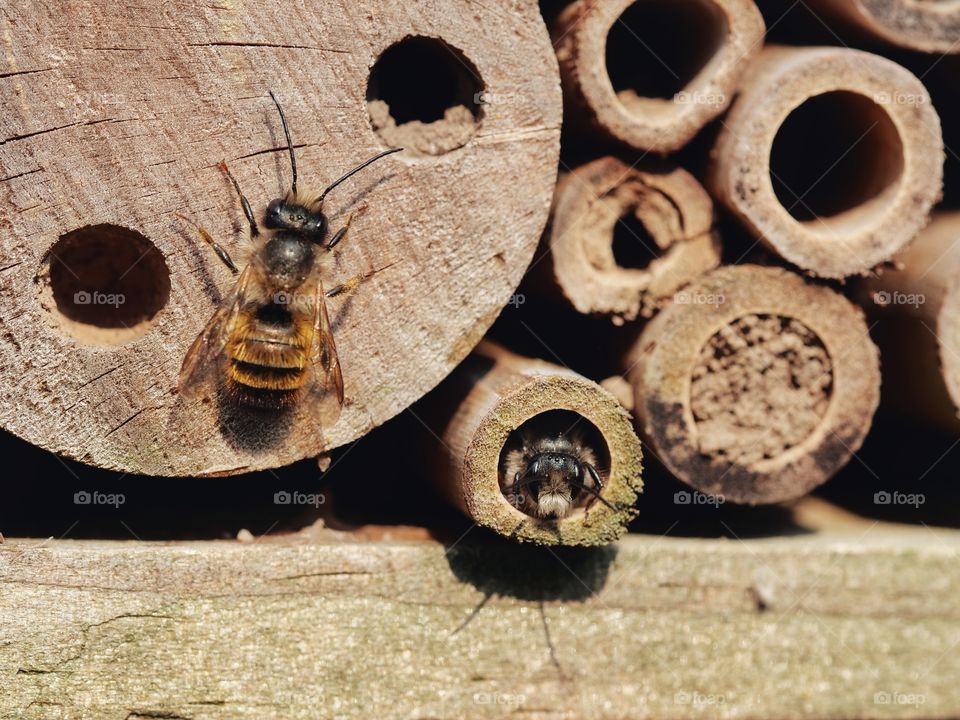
(273, 219)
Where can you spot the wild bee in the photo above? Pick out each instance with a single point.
(270, 344)
(548, 475)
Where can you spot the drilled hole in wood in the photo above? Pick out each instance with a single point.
(656, 48)
(837, 157)
(425, 95)
(633, 246)
(106, 283)
(551, 436)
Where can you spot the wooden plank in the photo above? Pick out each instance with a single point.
(826, 625)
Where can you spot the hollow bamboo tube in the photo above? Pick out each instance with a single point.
(755, 385)
(832, 157)
(590, 203)
(494, 393)
(917, 306)
(610, 59)
(925, 25)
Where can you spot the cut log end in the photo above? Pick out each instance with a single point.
(502, 404)
(115, 134)
(650, 74)
(756, 385)
(624, 239)
(832, 157)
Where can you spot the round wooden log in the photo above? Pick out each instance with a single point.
(590, 226)
(115, 120)
(832, 157)
(495, 400)
(932, 27)
(917, 306)
(755, 385)
(651, 73)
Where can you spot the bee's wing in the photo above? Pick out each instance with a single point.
(327, 389)
(204, 354)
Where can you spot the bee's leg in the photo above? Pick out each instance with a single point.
(595, 475)
(594, 493)
(254, 230)
(598, 482)
(217, 248)
(338, 236)
(351, 284)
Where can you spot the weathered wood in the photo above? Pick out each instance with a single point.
(493, 394)
(832, 157)
(822, 626)
(118, 114)
(755, 385)
(590, 205)
(705, 48)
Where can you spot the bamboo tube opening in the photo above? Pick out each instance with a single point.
(104, 284)
(624, 239)
(659, 48)
(837, 162)
(425, 96)
(832, 157)
(498, 412)
(651, 73)
(541, 433)
(633, 246)
(755, 385)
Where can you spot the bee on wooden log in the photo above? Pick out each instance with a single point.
(548, 475)
(270, 345)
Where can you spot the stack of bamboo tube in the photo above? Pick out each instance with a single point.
(689, 143)
(751, 383)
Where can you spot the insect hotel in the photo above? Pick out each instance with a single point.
(572, 358)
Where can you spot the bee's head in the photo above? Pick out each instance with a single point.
(558, 475)
(310, 223)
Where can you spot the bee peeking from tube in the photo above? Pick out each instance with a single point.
(550, 474)
(270, 345)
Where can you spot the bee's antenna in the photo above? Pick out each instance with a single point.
(286, 131)
(597, 495)
(357, 169)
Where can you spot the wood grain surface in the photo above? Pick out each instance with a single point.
(118, 114)
(860, 621)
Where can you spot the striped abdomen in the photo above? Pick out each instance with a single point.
(268, 362)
